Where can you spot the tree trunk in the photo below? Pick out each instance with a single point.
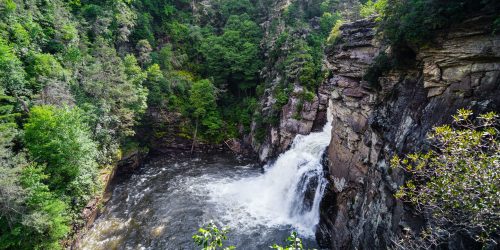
(194, 137)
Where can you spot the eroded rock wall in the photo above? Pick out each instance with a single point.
(288, 120)
(371, 125)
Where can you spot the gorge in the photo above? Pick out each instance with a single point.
(155, 117)
(367, 126)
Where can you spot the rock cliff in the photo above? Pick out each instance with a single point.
(283, 68)
(460, 70)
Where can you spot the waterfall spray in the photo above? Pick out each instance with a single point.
(288, 193)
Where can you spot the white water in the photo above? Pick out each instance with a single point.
(162, 205)
(288, 193)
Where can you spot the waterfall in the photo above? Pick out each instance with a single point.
(287, 193)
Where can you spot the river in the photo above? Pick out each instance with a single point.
(162, 204)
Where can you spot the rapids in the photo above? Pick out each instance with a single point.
(162, 205)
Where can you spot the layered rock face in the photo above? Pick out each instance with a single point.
(290, 121)
(310, 118)
(462, 70)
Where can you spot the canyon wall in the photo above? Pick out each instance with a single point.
(372, 123)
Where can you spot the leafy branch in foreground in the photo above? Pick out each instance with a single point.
(293, 242)
(456, 184)
(211, 237)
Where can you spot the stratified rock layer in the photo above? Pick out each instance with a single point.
(370, 126)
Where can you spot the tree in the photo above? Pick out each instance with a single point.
(112, 95)
(157, 85)
(144, 49)
(166, 57)
(12, 195)
(46, 222)
(12, 74)
(456, 183)
(44, 67)
(202, 97)
(59, 138)
(327, 21)
(235, 7)
(41, 221)
(371, 8)
(136, 76)
(233, 58)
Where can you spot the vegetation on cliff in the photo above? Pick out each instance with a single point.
(77, 78)
(408, 25)
(456, 183)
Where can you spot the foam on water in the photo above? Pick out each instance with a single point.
(288, 193)
(163, 204)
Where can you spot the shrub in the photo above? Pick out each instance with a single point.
(327, 21)
(293, 242)
(335, 33)
(282, 96)
(211, 237)
(371, 8)
(382, 64)
(456, 182)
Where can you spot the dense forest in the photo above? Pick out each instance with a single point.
(78, 78)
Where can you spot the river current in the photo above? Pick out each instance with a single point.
(161, 205)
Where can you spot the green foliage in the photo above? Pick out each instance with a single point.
(166, 57)
(413, 22)
(236, 7)
(12, 74)
(233, 58)
(293, 242)
(44, 220)
(335, 33)
(371, 8)
(298, 110)
(328, 21)
(282, 96)
(144, 52)
(47, 224)
(59, 138)
(20, 35)
(7, 6)
(42, 69)
(382, 64)
(292, 13)
(114, 98)
(239, 117)
(144, 29)
(307, 76)
(211, 237)
(50, 54)
(456, 182)
(202, 97)
(12, 194)
(157, 85)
